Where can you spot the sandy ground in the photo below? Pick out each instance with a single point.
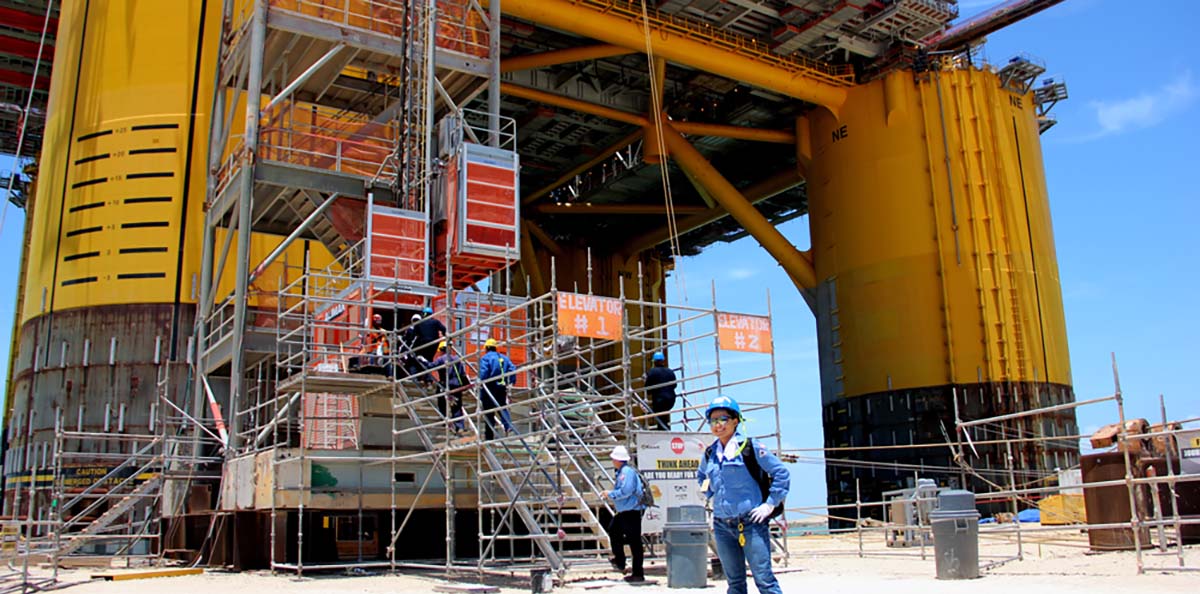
(1057, 563)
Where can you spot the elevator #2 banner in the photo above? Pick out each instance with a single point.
(669, 461)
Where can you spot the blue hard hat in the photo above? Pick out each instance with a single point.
(660, 357)
(428, 310)
(726, 403)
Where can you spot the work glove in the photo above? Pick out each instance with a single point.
(761, 513)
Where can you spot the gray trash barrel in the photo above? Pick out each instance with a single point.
(956, 535)
(686, 536)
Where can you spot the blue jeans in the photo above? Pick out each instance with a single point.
(756, 553)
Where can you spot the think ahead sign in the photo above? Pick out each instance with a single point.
(669, 461)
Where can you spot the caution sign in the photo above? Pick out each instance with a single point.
(81, 477)
(589, 315)
(10, 534)
(740, 332)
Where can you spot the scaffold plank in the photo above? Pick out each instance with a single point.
(147, 574)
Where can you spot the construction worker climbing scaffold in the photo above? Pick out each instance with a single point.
(453, 380)
(496, 372)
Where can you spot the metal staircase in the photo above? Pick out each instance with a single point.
(114, 510)
(536, 485)
(103, 527)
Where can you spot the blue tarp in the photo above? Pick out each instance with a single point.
(1029, 515)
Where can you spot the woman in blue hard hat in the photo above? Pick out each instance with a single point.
(660, 386)
(747, 485)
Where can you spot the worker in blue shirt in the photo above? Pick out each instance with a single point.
(453, 380)
(496, 372)
(660, 386)
(747, 485)
(626, 526)
(426, 333)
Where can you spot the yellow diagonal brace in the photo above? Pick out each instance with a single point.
(691, 44)
(530, 263)
(563, 56)
(799, 268)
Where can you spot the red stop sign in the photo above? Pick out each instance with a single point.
(677, 445)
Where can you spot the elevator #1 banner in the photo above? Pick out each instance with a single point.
(669, 461)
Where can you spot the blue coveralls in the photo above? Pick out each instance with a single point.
(734, 493)
(627, 524)
(496, 372)
(453, 380)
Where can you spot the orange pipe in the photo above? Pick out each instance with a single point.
(615, 209)
(574, 104)
(739, 132)
(563, 56)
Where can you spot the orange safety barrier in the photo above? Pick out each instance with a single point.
(397, 244)
(481, 219)
(316, 137)
(461, 28)
(379, 16)
(491, 198)
(512, 334)
(342, 330)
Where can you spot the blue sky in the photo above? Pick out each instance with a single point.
(1119, 168)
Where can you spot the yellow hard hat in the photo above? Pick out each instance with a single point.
(442, 345)
(491, 342)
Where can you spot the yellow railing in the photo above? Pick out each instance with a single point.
(840, 75)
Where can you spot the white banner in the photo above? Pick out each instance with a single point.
(669, 461)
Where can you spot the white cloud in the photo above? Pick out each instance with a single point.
(742, 273)
(1145, 110)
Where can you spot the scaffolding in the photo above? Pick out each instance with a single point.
(357, 430)
(339, 101)
(1141, 501)
(338, 426)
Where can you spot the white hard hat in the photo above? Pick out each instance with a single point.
(416, 317)
(620, 453)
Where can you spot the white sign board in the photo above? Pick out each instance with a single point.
(669, 461)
